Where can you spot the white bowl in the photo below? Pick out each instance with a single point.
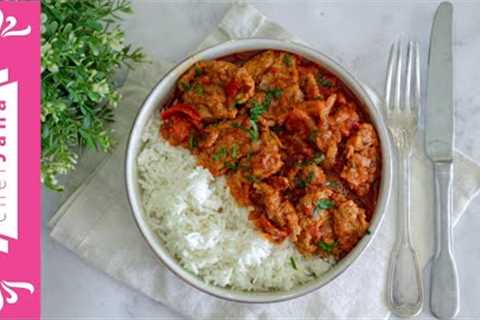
(160, 96)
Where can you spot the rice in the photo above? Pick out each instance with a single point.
(201, 225)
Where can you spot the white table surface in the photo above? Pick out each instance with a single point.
(358, 36)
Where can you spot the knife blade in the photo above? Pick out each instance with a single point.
(439, 123)
(439, 135)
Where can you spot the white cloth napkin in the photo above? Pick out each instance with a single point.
(96, 222)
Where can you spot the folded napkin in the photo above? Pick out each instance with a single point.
(96, 222)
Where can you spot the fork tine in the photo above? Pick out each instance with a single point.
(410, 81)
(417, 85)
(390, 81)
(398, 76)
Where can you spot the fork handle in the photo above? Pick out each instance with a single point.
(444, 293)
(404, 282)
(404, 198)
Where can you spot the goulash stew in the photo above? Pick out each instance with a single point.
(294, 144)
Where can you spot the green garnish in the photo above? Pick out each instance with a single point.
(270, 95)
(323, 204)
(253, 131)
(327, 247)
(185, 86)
(323, 81)
(198, 72)
(368, 231)
(319, 97)
(199, 89)
(220, 154)
(318, 158)
(192, 141)
(292, 262)
(287, 60)
(333, 184)
(252, 179)
(275, 93)
(257, 110)
(303, 183)
(231, 165)
(234, 151)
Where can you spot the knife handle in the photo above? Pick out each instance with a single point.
(444, 292)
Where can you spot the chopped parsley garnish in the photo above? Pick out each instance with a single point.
(257, 110)
(318, 158)
(292, 262)
(234, 151)
(253, 131)
(303, 183)
(319, 97)
(270, 95)
(332, 184)
(231, 165)
(275, 93)
(252, 179)
(199, 89)
(185, 86)
(220, 154)
(323, 204)
(323, 81)
(198, 72)
(368, 231)
(310, 177)
(192, 141)
(327, 247)
(287, 60)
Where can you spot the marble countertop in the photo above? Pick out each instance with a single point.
(356, 35)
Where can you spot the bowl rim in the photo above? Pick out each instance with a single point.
(149, 105)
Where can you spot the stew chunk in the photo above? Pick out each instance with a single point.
(362, 157)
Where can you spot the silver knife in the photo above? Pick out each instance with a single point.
(439, 136)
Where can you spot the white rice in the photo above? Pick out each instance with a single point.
(201, 225)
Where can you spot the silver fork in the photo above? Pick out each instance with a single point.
(404, 282)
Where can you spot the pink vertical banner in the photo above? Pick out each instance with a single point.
(20, 160)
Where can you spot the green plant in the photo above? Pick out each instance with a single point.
(82, 48)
